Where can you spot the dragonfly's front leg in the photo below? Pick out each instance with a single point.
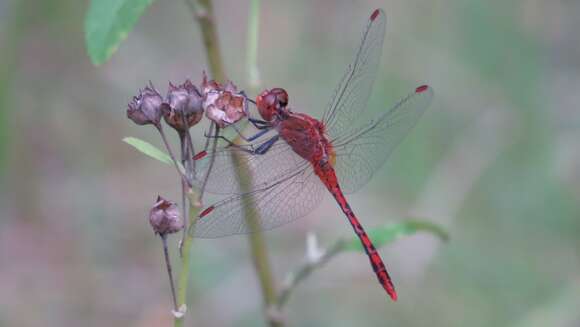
(264, 147)
(261, 149)
(259, 124)
(263, 130)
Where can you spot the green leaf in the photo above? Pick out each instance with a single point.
(151, 150)
(386, 234)
(107, 24)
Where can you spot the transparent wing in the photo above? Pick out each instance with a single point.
(276, 204)
(228, 167)
(361, 153)
(351, 96)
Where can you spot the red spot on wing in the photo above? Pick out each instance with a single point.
(422, 89)
(200, 155)
(206, 211)
(375, 14)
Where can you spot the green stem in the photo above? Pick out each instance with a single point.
(173, 158)
(257, 243)
(202, 11)
(186, 253)
(169, 270)
(258, 247)
(184, 155)
(211, 161)
(252, 46)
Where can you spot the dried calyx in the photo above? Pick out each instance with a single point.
(183, 101)
(164, 217)
(223, 104)
(146, 108)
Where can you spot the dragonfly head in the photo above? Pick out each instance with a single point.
(272, 103)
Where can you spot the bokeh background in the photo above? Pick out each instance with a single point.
(495, 160)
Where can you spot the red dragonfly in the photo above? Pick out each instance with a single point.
(295, 157)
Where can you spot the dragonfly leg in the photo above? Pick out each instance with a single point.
(246, 96)
(264, 147)
(257, 135)
(259, 124)
(253, 137)
(225, 139)
(234, 145)
(261, 149)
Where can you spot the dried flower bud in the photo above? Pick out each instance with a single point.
(223, 104)
(146, 108)
(208, 86)
(164, 217)
(186, 100)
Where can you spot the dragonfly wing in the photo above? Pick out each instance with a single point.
(351, 96)
(276, 204)
(230, 165)
(361, 153)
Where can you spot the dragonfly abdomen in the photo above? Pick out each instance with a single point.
(328, 178)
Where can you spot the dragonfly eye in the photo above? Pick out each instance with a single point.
(271, 102)
(281, 96)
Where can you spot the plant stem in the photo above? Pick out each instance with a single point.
(258, 247)
(211, 127)
(185, 260)
(304, 271)
(252, 45)
(169, 270)
(211, 161)
(189, 150)
(257, 243)
(184, 206)
(202, 11)
(168, 147)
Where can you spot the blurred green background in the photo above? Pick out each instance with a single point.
(495, 160)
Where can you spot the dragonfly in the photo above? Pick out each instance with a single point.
(295, 159)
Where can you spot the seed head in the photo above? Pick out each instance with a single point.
(164, 217)
(183, 100)
(146, 108)
(223, 104)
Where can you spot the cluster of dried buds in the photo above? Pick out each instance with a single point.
(181, 108)
(184, 105)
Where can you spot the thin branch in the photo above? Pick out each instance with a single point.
(183, 282)
(380, 237)
(184, 155)
(252, 45)
(211, 127)
(202, 11)
(211, 161)
(258, 246)
(305, 270)
(169, 270)
(170, 151)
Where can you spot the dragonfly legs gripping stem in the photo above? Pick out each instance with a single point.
(261, 149)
